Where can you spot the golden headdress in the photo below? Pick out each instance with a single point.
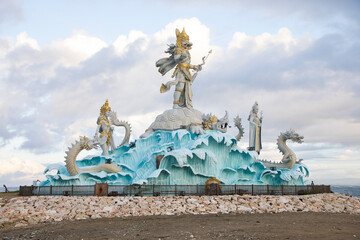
(105, 108)
(181, 37)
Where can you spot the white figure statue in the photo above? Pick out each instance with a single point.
(103, 134)
(180, 57)
(182, 115)
(255, 129)
(103, 138)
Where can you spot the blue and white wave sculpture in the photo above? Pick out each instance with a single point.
(188, 159)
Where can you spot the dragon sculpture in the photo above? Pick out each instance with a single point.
(211, 122)
(88, 144)
(289, 159)
(237, 123)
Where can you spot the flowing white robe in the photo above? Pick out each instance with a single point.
(183, 78)
(254, 133)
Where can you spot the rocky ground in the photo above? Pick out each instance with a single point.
(215, 226)
(230, 216)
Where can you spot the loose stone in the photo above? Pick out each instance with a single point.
(23, 211)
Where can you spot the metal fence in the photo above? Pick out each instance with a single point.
(175, 190)
(72, 190)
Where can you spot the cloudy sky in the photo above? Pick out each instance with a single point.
(60, 61)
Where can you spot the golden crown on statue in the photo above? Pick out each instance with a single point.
(181, 37)
(105, 108)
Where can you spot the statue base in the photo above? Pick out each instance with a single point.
(182, 158)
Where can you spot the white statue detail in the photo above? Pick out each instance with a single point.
(182, 115)
(255, 129)
(103, 135)
(103, 138)
(190, 119)
(180, 57)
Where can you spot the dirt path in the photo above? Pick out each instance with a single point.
(243, 226)
(8, 196)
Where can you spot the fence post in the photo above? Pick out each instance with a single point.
(268, 190)
(50, 190)
(197, 189)
(153, 189)
(235, 189)
(72, 190)
(282, 189)
(175, 189)
(252, 189)
(130, 190)
(295, 190)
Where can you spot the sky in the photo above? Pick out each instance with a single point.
(60, 61)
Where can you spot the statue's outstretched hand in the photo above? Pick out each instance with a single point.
(199, 67)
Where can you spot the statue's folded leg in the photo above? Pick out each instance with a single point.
(166, 87)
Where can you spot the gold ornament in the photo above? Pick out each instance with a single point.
(105, 108)
(207, 123)
(181, 37)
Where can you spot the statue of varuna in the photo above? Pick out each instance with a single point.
(180, 59)
(255, 129)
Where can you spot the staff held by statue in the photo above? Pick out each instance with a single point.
(203, 63)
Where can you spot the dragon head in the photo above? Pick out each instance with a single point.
(292, 135)
(211, 122)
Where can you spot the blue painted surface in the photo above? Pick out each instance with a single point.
(193, 160)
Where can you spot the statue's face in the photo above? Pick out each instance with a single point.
(107, 113)
(256, 109)
(187, 45)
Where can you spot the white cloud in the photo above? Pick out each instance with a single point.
(199, 35)
(78, 47)
(282, 40)
(14, 165)
(24, 40)
(5, 45)
(123, 42)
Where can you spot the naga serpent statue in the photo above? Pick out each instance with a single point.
(289, 159)
(106, 121)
